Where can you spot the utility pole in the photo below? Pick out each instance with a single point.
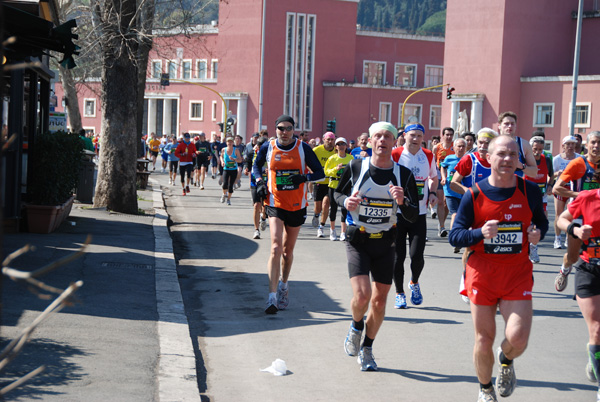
(576, 69)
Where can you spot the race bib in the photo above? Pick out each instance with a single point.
(509, 239)
(375, 211)
(420, 189)
(230, 165)
(542, 187)
(590, 185)
(593, 250)
(282, 180)
(202, 150)
(339, 172)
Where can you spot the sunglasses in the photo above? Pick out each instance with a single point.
(288, 128)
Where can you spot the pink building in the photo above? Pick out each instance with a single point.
(268, 57)
(518, 55)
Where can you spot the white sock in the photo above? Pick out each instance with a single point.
(283, 285)
(272, 295)
(565, 270)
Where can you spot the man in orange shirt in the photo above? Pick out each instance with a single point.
(440, 151)
(580, 173)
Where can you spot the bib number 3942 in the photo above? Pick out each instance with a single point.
(509, 239)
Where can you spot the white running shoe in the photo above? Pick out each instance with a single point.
(506, 381)
(320, 232)
(223, 198)
(533, 254)
(557, 242)
(263, 224)
(343, 236)
(256, 234)
(487, 395)
(333, 235)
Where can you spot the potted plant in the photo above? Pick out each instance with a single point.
(55, 163)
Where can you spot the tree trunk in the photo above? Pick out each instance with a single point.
(146, 21)
(116, 185)
(71, 100)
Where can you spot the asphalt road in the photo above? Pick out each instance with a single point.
(424, 353)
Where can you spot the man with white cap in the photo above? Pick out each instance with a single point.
(373, 189)
(422, 164)
(334, 167)
(560, 162)
(321, 189)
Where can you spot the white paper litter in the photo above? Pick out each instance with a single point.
(278, 367)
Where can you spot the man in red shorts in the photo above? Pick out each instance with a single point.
(498, 218)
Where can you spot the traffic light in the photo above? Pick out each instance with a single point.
(230, 123)
(331, 125)
(220, 127)
(449, 92)
(164, 80)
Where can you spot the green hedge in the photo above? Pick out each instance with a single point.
(56, 160)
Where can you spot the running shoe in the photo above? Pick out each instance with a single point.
(443, 232)
(228, 202)
(187, 189)
(192, 182)
(256, 234)
(352, 342)
(320, 232)
(416, 297)
(506, 381)
(184, 192)
(333, 235)
(589, 372)
(433, 215)
(220, 180)
(343, 236)
(223, 198)
(271, 305)
(309, 197)
(533, 254)
(557, 242)
(465, 299)
(282, 297)
(561, 281)
(456, 250)
(213, 176)
(487, 395)
(366, 359)
(201, 187)
(315, 221)
(263, 224)
(400, 301)
(170, 182)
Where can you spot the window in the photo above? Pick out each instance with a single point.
(156, 68)
(434, 75)
(89, 107)
(582, 115)
(201, 69)
(405, 75)
(187, 70)
(214, 67)
(543, 114)
(412, 112)
(373, 72)
(214, 110)
(196, 110)
(435, 117)
(299, 68)
(172, 66)
(385, 111)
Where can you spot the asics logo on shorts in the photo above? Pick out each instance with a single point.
(515, 206)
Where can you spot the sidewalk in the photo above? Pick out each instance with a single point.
(128, 338)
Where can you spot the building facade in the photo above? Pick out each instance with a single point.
(265, 58)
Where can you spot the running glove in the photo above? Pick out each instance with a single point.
(261, 190)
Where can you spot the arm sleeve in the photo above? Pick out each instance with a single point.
(534, 198)
(461, 235)
(313, 164)
(410, 207)
(261, 159)
(345, 184)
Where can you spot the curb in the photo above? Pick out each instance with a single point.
(177, 380)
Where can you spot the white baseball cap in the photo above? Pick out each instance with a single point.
(569, 138)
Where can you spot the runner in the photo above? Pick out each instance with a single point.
(163, 155)
(203, 157)
(544, 181)
(288, 160)
(420, 161)
(259, 214)
(587, 276)
(580, 173)
(154, 147)
(230, 159)
(507, 125)
(185, 151)
(440, 152)
(237, 144)
(334, 167)
(470, 139)
(498, 218)
(321, 189)
(362, 150)
(559, 163)
(215, 141)
(447, 170)
(373, 190)
(173, 160)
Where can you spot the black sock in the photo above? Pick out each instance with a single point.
(358, 325)
(368, 342)
(486, 386)
(594, 352)
(504, 359)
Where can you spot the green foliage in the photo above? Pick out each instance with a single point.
(56, 159)
(436, 24)
(403, 15)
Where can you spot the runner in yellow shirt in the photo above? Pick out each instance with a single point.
(334, 167)
(321, 190)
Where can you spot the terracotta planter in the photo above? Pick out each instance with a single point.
(47, 218)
